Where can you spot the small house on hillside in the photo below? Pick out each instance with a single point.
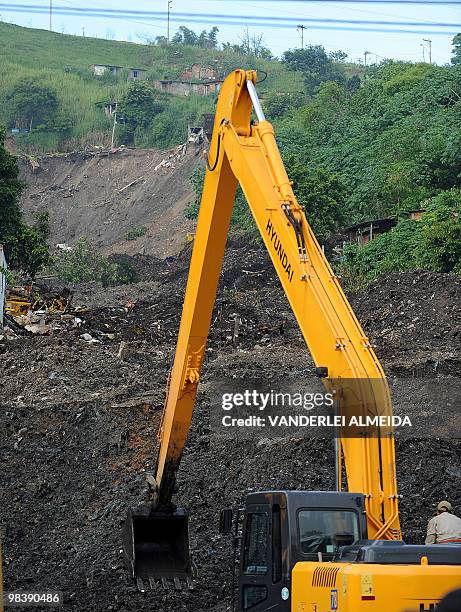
(184, 88)
(362, 233)
(199, 72)
(102, 69)
(201, 80)
(134, 74)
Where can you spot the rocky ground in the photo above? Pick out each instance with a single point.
(78, 424)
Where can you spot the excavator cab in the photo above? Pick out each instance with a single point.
(156, 546)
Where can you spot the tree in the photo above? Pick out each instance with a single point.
(338, 56)
(315, 64)
(25, 247)
(440, 246)
(30, 104)
(208, 40)
(161, 41)
(322, 194)
(353, 84)
(252, 44)
(278, 104)
(84, 263)
(185, 36)
(456, 59)
(138, 108)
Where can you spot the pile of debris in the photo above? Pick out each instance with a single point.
(173, 157)
(79, 434)
(35, 309)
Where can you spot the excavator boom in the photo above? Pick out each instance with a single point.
(245, 152)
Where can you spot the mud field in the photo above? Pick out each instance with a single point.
(78, 425)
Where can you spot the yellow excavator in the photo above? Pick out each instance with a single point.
(302, 551)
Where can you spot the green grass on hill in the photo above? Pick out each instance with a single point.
(63, 62)
(40, 49)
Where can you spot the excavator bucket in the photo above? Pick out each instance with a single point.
(156, 546)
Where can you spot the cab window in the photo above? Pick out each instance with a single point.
(324, 531)
(255, 550)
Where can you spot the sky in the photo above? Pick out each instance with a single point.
(380, 45)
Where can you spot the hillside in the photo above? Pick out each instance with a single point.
(128, 202)
(41, 49)
(62, 62)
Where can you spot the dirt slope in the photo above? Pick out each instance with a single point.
(74, 453)
(92, 197)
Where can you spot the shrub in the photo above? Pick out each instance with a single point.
(433, 243)
(136, 232)
(84, 263)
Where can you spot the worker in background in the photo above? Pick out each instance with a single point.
(445, 528)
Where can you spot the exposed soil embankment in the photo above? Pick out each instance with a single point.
(75, 445)
(105, 197)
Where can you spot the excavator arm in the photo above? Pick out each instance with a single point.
(245, 152)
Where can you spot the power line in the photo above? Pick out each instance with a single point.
(184, 15)
(235, 20)
(359, 1)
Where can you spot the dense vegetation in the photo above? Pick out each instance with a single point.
(382, 147)
(25, 247)
(432, 243)
(85, 263)
(394, 144)
(358, 143)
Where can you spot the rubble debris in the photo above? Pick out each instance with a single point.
(91, 428)
(38, 328)
(89, 338)
(122, 350)
(175, 155)
(140, 178)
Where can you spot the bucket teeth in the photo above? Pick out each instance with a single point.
(166, 583)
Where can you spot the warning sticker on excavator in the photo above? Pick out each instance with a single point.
(334, 599)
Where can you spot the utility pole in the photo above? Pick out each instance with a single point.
(113, 131)
(302, 28)
(365, 57)
(170, 2)
(422, 47)
(83, 31)
(51, 15)
(429, 44)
